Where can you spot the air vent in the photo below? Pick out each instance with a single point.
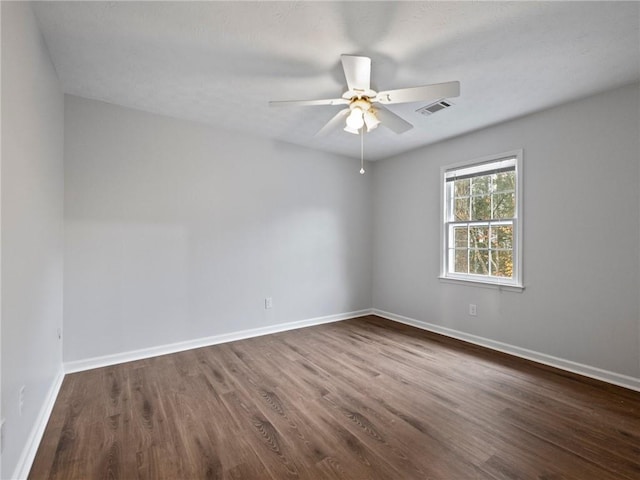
(434, 107)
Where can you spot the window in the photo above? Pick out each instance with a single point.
(482, 220)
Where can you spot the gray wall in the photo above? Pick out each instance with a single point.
(32, 228)
(581, 235)
(176, 231)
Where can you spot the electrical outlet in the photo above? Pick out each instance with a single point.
(268, 303)
(21, 399)
(472, 309)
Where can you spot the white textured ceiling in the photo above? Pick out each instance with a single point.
(221, 62)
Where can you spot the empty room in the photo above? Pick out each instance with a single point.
(320, 240)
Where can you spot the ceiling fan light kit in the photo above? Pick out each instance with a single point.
(361, 115)
(359, 97)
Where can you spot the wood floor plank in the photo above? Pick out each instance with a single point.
(317, 442)
(360, 399)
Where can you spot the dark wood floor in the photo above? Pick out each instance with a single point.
(359, 399)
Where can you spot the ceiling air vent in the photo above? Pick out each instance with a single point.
(434, 107)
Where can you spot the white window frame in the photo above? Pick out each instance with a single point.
(515, 283)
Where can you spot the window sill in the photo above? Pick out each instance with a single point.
(482, 284)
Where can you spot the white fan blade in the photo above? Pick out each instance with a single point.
(392, 121)
(306, 103)
(419, 94)
(335, 122)
(357, 71)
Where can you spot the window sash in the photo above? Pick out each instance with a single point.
(452, 248)
(451, 197)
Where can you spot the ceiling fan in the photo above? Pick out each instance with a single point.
(361, 113)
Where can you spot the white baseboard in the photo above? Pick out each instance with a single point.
(586, 370)
(33, 442)
(107, 360)
(563, 364)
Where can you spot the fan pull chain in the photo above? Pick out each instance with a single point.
(362, 151)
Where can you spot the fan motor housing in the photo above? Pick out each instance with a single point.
(363, 104)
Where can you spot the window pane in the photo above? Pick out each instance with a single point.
(479, 262)
(461, 209)
(480, 185)
(461, 263)
(479, 237)
(502, 236)
(460, 235)
(505, 181)
(502, 264)
(481, 208)
(504, 205)
(461, 188)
